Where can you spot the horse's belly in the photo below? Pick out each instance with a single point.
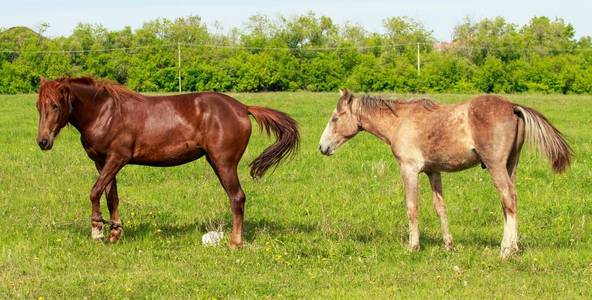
(452, 162)
(170, 155)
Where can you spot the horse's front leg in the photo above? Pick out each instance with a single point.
(106, 180)
(410, 181)
(116, 230)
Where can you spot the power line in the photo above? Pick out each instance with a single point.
(172, 45)
(301, 48)
(532, 48)
(82, 51)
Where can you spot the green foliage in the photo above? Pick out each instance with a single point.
(367, 75)
(443, 73)
(492, 77)
(307, 52)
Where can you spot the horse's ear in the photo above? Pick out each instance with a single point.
(346, 96)
(42, 80)
(345, 99)
(64, 86)
(343, 92)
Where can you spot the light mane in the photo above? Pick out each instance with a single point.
(375, 104)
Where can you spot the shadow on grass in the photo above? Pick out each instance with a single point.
(257, 227)
(482, 240)
(252, 228)
(477, 241)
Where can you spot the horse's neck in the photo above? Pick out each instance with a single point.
(380, 124)
(87, 104)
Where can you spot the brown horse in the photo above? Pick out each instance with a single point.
(431, 138)
(119, 127)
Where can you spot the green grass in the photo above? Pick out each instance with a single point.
(318, 227)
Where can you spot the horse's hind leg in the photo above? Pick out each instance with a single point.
(227, 174)
(509, 198)
(506, 189)
(438, 201)
(512, 164)
(497, 140)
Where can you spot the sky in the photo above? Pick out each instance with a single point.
(438, 16)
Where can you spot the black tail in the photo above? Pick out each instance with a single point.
(286, 132)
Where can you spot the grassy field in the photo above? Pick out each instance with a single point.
(318, 227)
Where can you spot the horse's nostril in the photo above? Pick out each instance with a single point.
(43, 143)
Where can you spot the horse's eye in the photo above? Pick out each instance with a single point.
(55, 107)
(334, 119)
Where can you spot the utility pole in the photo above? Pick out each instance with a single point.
(179, 62)
(418, 61)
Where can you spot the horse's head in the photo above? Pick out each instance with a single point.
(54, 108)
(342, 126)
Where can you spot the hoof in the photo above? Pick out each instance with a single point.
(115, 234)
(413, 248)
(507, 252)
(448, 243)
(97, 232)
(235, 245)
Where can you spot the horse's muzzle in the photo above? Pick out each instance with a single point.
(327, 151)
(44, 144)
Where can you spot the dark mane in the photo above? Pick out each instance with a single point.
(118, 92)
(374, 103)
(114, 89)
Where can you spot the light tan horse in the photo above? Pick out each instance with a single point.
(431, 138)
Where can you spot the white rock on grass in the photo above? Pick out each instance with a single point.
(212, 238)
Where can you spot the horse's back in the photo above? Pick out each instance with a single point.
(214, 99)
(207, 100)
(199, 108)
(490, 108)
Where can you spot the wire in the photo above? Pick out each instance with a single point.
(204, 46)
(300, 48)
(82, 51)
(303, 48)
